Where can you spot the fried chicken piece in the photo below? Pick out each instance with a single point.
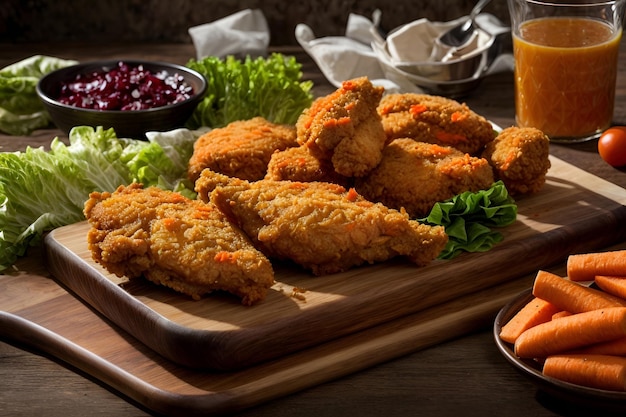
(519, 157)
(434, 119)
(183, 244)
(241, 149)
(299, 164)
(345, 128)
(320, 226)
(415, 175)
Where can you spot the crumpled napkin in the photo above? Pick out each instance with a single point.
(364, 52)
(417, 42)
(243, 33)
(346, 57)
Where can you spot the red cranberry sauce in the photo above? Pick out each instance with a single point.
(125, 87)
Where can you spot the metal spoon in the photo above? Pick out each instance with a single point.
(461, 33)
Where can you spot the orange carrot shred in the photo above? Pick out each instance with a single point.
(170, 223)
(458, 116)
(352, 195)
(447, 137)
(417, 109)
(225, 257)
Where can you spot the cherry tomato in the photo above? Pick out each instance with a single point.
(612, 146)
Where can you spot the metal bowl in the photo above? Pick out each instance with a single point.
(453, 78)
(470, 66)
(126, 123)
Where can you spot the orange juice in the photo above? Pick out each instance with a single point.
(565, 71)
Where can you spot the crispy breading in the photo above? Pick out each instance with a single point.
(321, 226)
(434, 119)
(345, 128)
(415, 175)
(519, 157)
(241, 149)
(299, 164)
(183, 244)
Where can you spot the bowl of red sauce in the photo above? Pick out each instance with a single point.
(130, 96)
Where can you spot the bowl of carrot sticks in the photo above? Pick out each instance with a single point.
(568, 333)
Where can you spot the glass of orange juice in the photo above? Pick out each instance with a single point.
(566, 65)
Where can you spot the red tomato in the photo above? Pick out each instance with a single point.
(612, 146)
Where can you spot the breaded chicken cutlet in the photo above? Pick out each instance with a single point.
(416, 175)
(241, 149)
(299, 164)
(321, 226)
(434, 119)
(519, 157)
(345, 128)
(183, 244)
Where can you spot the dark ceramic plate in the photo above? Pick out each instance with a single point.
(588, 397)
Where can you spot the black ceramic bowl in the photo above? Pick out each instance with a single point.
(127, 123)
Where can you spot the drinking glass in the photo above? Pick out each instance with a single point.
(566, 65)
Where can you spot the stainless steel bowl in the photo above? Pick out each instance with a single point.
(450, 78)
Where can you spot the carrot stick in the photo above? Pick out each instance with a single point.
(595, 371)
(585, 266)
(615, 347)
(612, 285)
(537, 311)
(571, 296)
(560, 314)
(571, 332)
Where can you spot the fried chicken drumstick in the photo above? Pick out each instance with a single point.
(183, 244)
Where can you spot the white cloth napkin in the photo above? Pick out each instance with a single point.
(342, 58)
(243, 33)
(363, 52)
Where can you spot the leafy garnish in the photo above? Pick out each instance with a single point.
(41, 190)
(21, 111)
(269, 87)
(469, 217)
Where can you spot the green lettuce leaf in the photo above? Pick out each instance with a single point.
(270, 87)
(21, 111)
(469, 217)
(41, 190)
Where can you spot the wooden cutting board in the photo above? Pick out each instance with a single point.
(574, 211)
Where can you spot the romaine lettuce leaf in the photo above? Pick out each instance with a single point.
(469, 217)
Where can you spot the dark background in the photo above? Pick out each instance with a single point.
(26, 21)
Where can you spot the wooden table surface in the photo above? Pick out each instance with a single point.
(466, 376)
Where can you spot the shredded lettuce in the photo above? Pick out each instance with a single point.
(270, 87)
(469, 217)
(41, 190)
(21, 111)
